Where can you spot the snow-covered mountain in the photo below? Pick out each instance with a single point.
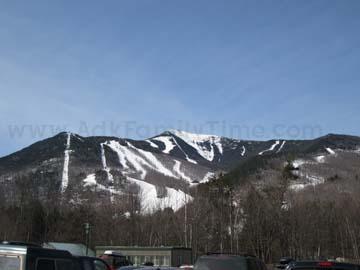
(162, 169)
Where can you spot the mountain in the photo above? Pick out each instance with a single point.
(161, 169)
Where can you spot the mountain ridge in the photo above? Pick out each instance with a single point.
(165, 165)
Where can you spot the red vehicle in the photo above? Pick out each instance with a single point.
(115, 259)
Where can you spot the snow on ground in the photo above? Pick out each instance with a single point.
(177, 170)
(154, 145)
(169, 145)
(104, 164)
(138, 159)
(311, 180)
(90, 181)
(271, 148)
(281, 146)
(127, 157)
(190, 160)
(151, 202)
(65, 174)
(186, 155)
(331, 152)
(297, 187)
(154, 163)
(107, 170)
(298, 162)
(320, 159)
(315, 180)
(197, 141)
(243, 151)
(207, 177)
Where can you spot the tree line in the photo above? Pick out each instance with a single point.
(261, 216)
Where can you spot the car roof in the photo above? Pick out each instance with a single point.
(222, 255)
(34, 251)
(19, 243)
(13, 249)
(312, 263)
(230, 254)
(113, 253)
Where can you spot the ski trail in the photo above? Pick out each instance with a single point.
(107, 170)
(179, 172)
(243, 151)
(281, 147)
(65, 174)
(271, 148)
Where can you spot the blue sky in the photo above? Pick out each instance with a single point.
(245, 69)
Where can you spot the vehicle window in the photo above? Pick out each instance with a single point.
(45, 264)
(120, 261)
(109, 260)
(252, 265)
(10, 262)
(64, 265)
(220, 263)
(99, 265)
(87, 265)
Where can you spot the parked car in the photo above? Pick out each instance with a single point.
(92, 263)
(186, 267)
(321, 265)
(229, 262)
(284, 262)
(129, 267)
(144, 267)
(115, 259)
(32, 257)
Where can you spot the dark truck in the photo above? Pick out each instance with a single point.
(24, 256)
(32, 257)
(229, 262)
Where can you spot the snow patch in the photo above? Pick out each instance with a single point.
(108, 174)
(65, 174)
(90, 181)
(104, 164)
(312, 181)
(298, 162)
(151, 202)
(154, 145)
(281, 147)
(127, 157)
(243, 151)
(320, 159)
(152, 161)
(271, 148)
(138, 159)
(197, 141)
(330, 151)
(186, 155)
(169, 145)
(177, 170)
(207, 177)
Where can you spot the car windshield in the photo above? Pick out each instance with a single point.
(10, 262)
(221, 263)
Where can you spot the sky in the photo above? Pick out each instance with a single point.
(134, 68)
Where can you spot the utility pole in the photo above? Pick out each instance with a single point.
(87, 234)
